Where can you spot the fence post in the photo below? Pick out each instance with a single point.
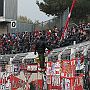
(42, 25)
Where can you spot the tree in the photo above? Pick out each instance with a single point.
(24, 19)
(57, 7)
(52, 7)
(81, 10)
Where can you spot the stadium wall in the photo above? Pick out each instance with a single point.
(1, 7)
(8, 12)
(3, 28)
(10, 9)
(21, 27)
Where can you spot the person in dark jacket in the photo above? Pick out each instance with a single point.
(40, 47)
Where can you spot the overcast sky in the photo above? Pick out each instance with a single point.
(30, 9)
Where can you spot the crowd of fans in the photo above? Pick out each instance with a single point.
(25, 41)
(84, 25)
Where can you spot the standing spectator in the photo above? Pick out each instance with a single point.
(40, 47)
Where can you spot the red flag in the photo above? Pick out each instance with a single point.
(15, 82)
(68, 19)
(78, 88)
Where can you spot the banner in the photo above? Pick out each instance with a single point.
(53, 75)
(55, 81)
(68, 68)
(53, 68)
(9, 68)
(32, 68)
(15, 82)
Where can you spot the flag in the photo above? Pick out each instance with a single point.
(68, 19)
(16, 82)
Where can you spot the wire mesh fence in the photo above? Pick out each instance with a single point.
(59, 22)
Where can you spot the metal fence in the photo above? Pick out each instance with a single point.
(59, 22)
(21, 27)
(56, 21)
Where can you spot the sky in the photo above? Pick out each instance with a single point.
(31, 10)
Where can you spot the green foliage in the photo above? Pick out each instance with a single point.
(24, 19)
(81, 10)
(52, 7)
(57, 7)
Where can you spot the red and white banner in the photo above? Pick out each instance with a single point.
(53, 68)
(32, 67)
(53, 75)
(15, 82)
(68, 68)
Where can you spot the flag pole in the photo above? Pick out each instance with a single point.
(68, 19)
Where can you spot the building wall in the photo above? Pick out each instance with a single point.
(3, 28)
(1, 7)
(8, 10)
(21, 27)
(11, 9)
